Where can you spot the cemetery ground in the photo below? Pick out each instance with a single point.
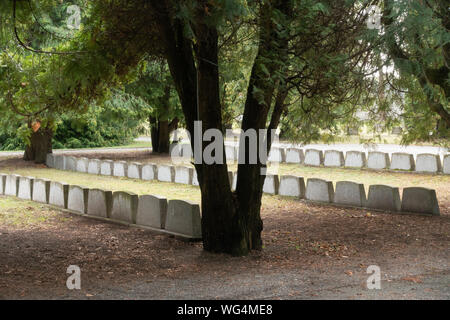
(310, 251)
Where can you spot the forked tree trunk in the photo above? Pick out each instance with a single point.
(231, 222)
(40, 146)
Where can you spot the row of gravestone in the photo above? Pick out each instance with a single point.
(429, 163)
(176, 217)
(381, 197)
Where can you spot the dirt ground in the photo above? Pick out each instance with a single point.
(310, 251)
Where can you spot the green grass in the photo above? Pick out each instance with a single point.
(25, 213)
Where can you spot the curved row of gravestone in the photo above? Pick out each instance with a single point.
(430, 163)
(420, 200)
(347, 193)
(176, 217)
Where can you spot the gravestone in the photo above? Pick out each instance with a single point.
(355, 159)
(378, 160)
(427, 162)
(152, 211)
(124, 207)
(319, 190)
(82, 165)
(183, 217)
(71, 163)
(50, 160)
(183, 174)
(271, 184)
(166, 173)
(78, 199)
(276, 155)
(41, 190)
(134, 170)
(94, 166)
(59, 192)
(25, 188)
(120, 168)
(106, 168)
(350, 193)
(313, 157)
(333, 158)
(149, 172)
(292, 186)
(99, 203)
(294, 155)
(12, 185)
(2, 182)
(421, 200)
(446, 168)
(59, 162)
(402, 161)
(384, 198)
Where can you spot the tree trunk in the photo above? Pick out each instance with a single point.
(231, 222)
(40, 146)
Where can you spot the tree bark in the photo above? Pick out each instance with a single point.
(40, 146)
(231, 222)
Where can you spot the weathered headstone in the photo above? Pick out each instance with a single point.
(106, 167)
(384, 198)
(59, 162)
(152, 211)
(294, 155)
(184, 218)
(319, 190)
(333, 158)
(78, 199)
(402, 161)
(292, 186)
(2, 182)
(271, 184)
(378, 160)
(71, 163)
(12, 185)
(166, 173)
(59, 192)
(421, 200)
(427, 162)
(82, 165)
(355, 159)
(350, 193)
(25, 188)
(276, 155)
(41, 190)
(124, 207)
(50, 160)
(120, 168)
(446, 168)
(94, 166)
(183, 174)
(134, 170)
(313, 157)
(149, 171)
(99, 203)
